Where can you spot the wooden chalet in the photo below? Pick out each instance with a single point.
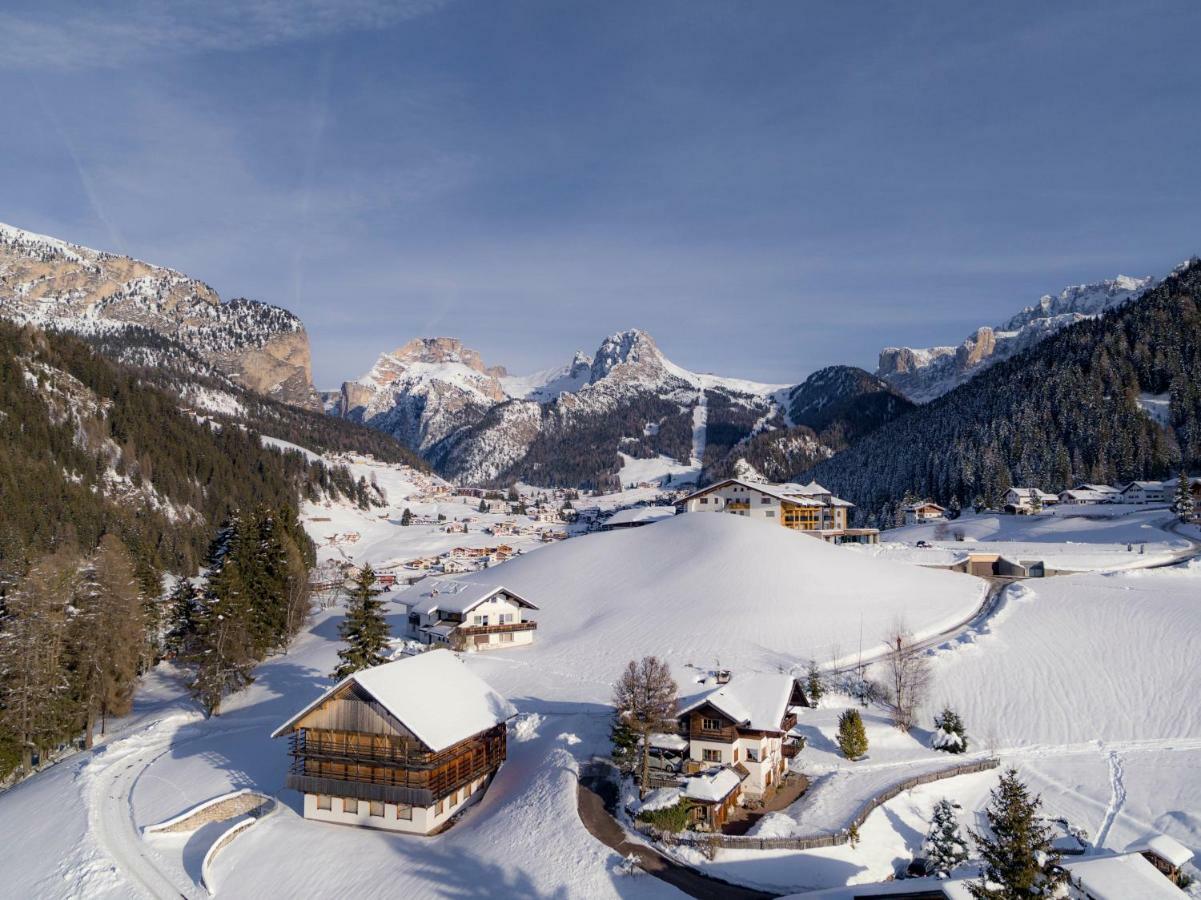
(402, 747)
(744, 725)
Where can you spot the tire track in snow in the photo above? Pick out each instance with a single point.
(1117, 797)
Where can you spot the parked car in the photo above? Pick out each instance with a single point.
(924, 545)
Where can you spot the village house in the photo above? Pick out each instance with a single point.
(809, 508)
(402, 747)
(741, 728)
(1141, 493)
(467, 614)
(924, 512)
(1082, 496)
(1024, 500)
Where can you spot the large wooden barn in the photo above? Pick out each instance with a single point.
(403, 746)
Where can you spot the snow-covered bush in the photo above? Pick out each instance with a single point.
(949, 735)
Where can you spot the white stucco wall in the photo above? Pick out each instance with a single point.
(423, 821)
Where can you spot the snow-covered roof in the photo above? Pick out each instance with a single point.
(433, 694)
(1121, 877)
(1028, 491)
(1164, 847)
(1099, 488)
(757, 700)
(452, 595)
(669, 741)
(640, 514)
(1087, 494)
(1144, 485)
(712, 786)
(796, 494)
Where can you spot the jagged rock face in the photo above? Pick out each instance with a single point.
(424, 391)
(924, 374)
(49, 282)
(440, 398)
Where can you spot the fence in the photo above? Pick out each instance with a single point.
(814, 841)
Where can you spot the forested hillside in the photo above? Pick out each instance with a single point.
(1066, 411)
(829, 410)
(105, 486)
(170, 365)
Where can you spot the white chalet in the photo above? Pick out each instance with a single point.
(802, 507)
(743, 726)
(1143, 492)
(401, 747)
(1081, 496)
(924, 512)
(1021, 500)
(469, 614)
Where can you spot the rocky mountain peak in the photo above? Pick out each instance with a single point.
(633, 351)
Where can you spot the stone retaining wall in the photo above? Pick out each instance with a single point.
(218, 809)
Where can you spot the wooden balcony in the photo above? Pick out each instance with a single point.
(789, 722)
(399, 772)
(789, 749)
(507, 628)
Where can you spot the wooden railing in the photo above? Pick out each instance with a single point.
(498, 629)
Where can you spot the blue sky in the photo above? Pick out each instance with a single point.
(765, 187)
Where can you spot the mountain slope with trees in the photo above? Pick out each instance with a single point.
(1066, 411)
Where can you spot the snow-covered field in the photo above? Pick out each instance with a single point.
(1068, 538)
(1085, 682)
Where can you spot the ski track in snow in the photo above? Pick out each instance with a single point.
(1116, 800)
(700, 425)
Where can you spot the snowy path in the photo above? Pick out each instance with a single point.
(700, 424)
(111, 776)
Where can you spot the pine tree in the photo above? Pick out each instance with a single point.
(107, 636)
(953, 508)
(815, 685)
(1019, 859)
(35, 700)
(406, 518)
(949, 734)
(625, 744)
(182, 605)
(364, 629)
(483, 507)
(1183, 504)
(852, 737)
(945, 847)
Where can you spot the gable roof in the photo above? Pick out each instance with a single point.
(1121, 877)
(433, 694)
(1164, 847)
(756, 700)
(712, 786)
(796, 494)
(453, 595)
(640, 514)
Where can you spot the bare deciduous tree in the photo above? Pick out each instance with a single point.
(646, 698)
(908, 674)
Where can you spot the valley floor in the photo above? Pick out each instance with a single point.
(1086, 683)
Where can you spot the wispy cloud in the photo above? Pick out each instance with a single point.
(92, 37)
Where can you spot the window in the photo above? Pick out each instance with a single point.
(350, 806)
(765, 499)
(479, 620)
(735, 754)
(506, 618)
(324, 802)
(377, 809)
(704, 500)
(507, 637)
(404, 811)
(771, 513)
(711, 755)
(711, 724)
(752, 754)
(440, 807)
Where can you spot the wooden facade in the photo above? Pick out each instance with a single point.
(350, 746)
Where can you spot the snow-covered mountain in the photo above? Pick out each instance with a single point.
(51, 283)
(924, 374)
(566, 424)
